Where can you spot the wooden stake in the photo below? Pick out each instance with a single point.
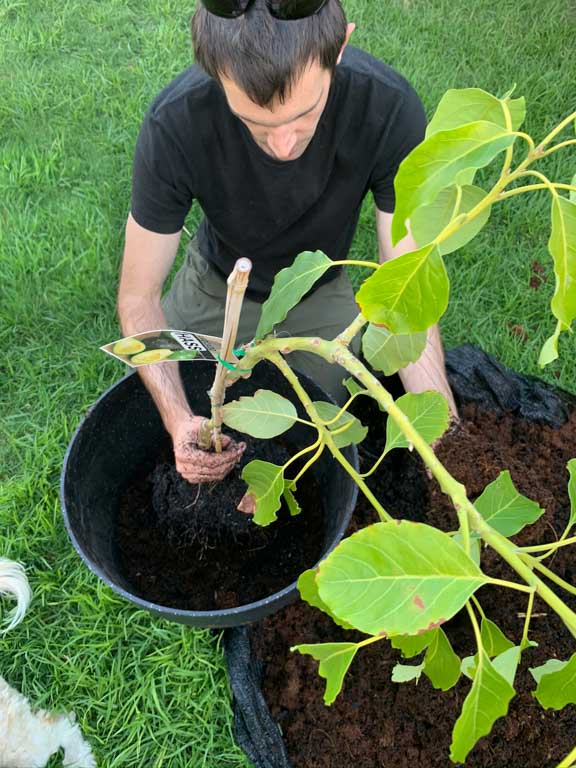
(237, 284)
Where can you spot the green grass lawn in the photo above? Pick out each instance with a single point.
(75, 80)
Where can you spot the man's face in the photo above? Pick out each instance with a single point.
(284, 130)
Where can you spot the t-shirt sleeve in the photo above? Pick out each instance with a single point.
(162, 193)
(405, 132)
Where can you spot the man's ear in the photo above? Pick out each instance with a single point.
(349, 29)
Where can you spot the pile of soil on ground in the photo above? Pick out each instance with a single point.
(187, 546)
(379, 724)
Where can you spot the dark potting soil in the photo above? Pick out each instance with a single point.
(187, 546)
(375, 723)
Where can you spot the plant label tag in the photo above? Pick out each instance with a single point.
(163, 346)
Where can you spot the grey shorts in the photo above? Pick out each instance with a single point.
(196, 300)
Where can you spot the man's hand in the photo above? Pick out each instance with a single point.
(196, 465)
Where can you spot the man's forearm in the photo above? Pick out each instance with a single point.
(429, 372)
(162, 381)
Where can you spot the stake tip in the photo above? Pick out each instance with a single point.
(244, 265)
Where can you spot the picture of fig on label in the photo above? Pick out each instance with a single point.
(164, 346)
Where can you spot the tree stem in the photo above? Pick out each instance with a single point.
(280, 363)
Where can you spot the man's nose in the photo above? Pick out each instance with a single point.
(281, 143)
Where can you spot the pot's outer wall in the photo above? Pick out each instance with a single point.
(474, 376)
(122, 431)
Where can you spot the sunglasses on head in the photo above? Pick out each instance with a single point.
(285, 10)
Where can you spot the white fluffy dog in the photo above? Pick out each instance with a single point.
(28, 739)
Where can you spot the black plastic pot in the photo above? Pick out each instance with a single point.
(123, 430)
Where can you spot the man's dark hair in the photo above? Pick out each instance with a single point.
(263, 55)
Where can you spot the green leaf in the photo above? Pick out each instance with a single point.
(397, 578)
(389, 352)
(557, 688)
(506, 510)
(290, 285)
(506, 663)
(405, 673)
(428, 221)
(572, 195)
(562, 247)
(468, 666)
(412, 645)
(441, 665)
(265, 488)
(549, 351)
(552, 665)
(355, 432)
(494, 640)
(429, 414)
(335, 659)
(264, 415)
(291, 502)
(353, 386)
(475, 543)
(308, 589)
(408, 294)
(438, 163)
(572, 490)
(487, 701)
(470, 105)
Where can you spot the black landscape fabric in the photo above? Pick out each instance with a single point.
(475, 377)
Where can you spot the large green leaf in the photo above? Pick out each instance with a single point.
(504, 508)
(408, 294)
(572, 490)
(557, 689)
(335, 659)
(265, 489)
(572, 191)
(428, 221)
(264, 415)
(470, 105)
(438, 163)
(406, 673)
(428, 413)
(290, 285)
(355, 431)
(487, 701)
(390, 352)
(441, 664)
(494, 640)
(412, 645)
(308, 589)
(562, 247)
(397, 578)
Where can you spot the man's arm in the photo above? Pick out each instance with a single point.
(148, 258)
(429, 372)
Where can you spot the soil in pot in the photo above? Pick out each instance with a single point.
(186, 546)
(376, 723)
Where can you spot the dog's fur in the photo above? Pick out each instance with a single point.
(28, 739)
(13, 582)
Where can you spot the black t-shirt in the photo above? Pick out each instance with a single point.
(191, 147)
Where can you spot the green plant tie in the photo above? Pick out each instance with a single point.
(232, 367)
